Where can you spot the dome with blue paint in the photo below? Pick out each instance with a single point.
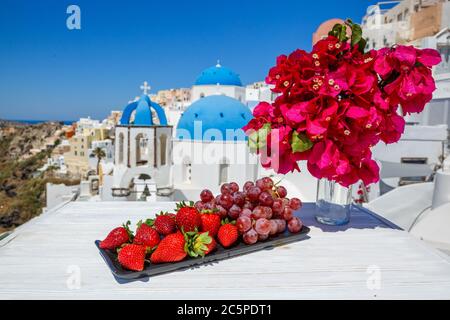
(218, 75)
(214, 118)
(143, 113)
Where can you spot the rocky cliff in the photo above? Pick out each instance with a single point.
(24, 149)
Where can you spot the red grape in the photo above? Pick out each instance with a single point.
(234, 211)
(199, 206)
(258, 212)
(248, 205)
(281, 225)
(267, 183)
(288, 213)
(217, 199)
(281, 191)
(295, 203)
(262, 237)
(234, 187)
(247, 185)
(253, 193)
(295, 225)
(262, 226)
(243, 223)
(265, 199)
(277, 206)
(260, 184)
(226, 200)
(267, 212)
(206, 195)
(250, 237)
(239, 198)
(246, 212)
(221, 211)
(273, 227)
(225, 188)
(209, 206)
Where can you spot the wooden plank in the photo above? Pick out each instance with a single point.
(36, 259)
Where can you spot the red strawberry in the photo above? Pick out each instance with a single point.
(188, 217)
(170, 249)
(228, 235)
(146, 236)
(164, 223)
(132, 257)
(210, 222)
(117, 237)
(211, 247)
(199, 244)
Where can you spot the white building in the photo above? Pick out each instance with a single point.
(210, 147)
(218, 80)
(107, 147)
(142, 154)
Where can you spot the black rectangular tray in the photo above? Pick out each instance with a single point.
(221, 253)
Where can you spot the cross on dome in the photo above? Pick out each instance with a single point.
(218, 65)
(145, 87)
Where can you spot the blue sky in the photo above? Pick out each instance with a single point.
(50, 72)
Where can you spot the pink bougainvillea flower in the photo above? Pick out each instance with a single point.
(428, 57)
(336, 103)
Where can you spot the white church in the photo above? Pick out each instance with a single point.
(154, 161)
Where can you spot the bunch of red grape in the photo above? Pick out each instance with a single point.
(260, 209)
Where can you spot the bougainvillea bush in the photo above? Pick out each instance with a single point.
(338, 101)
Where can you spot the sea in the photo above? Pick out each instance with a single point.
(66, 122)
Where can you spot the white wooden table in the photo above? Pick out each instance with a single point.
(366, 259)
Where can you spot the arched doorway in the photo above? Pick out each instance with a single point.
(223, 171)
(141, 149)
(121, 142)
(163, 149)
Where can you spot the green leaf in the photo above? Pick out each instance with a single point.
(300, 142)
(258, 139)
(339, 31)
(362, 45)
(356, 34)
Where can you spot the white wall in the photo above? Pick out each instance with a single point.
(235, 92)
(206, 159)
(58, 193)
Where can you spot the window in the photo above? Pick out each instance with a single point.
(399, 17)
(223, 172)
(76, 153)
(163, 147)
(187, 170)
(141, 149)
(121, 148)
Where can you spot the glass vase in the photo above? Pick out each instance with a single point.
(333, 203)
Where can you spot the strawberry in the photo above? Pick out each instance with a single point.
(146, 236)
(199, 243)
(132, 257)
(211, 247)
(188, 217)
(117, 237)
(164, 223)
(170, 249)
(210, 222)
(227, 235)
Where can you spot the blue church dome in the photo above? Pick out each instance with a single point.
(218, 75)
(143, 115)
(213, 118)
